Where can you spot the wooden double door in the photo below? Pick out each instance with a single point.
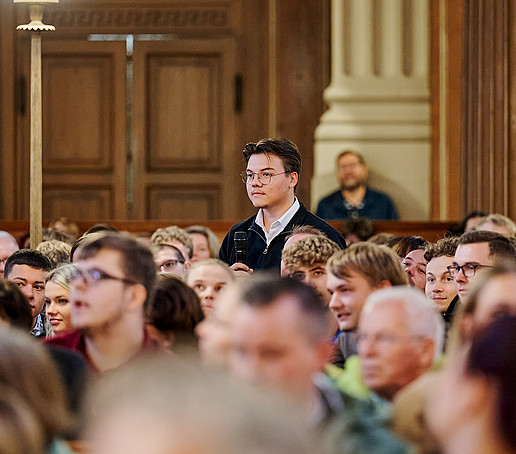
(139, 127)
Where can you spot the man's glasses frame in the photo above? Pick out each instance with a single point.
(468, 269)
(264, 178)
(93, 276)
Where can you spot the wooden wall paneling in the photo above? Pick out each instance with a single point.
(485, 134)
(302, 73)
(183, 202)
(255, 58)
(78, 202)
(184, 114)
(446, 93)
(512, 110)
(184, 123)
(8, 194)
(435, 108)
(454, 31)
(84, 128)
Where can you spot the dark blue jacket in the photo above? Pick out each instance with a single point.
(376, 206)
(259, 256)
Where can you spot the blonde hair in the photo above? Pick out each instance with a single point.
(210, 262)
(376, 263)
(309, 251)
(61, 275)
(56, 251)
(173, 233)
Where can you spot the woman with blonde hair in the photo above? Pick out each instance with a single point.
(57, 296)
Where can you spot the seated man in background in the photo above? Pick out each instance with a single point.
(476, 251)
(354, 198)
(271, 177)
(497, 223)
(352, 275)
(27, 269)
(8, 246)
(174, 236)
(113, 283)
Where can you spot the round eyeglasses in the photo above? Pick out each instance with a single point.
(263, 177)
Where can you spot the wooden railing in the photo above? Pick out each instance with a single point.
(429, 230)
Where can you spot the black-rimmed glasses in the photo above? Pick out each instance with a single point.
(468, 269)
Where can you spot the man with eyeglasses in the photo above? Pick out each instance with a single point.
(476, 251)
(271, 177)
(169, 260)
(111, 288)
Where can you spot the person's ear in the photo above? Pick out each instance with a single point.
(188, 264)
(137, 296)
(427, 353)
(383, 284)
(294, 178)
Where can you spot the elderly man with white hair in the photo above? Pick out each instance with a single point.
(8, 245)
(400, 335)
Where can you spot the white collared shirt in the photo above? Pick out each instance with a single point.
(279, 224)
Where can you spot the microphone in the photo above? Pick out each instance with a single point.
(240, 246)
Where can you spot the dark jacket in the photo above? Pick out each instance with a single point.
(259, 256)
(376, 206)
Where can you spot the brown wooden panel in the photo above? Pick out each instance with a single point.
(183, 202)
(185, 128)
(77, 111)
(77, 202)
(84, 128)
(183, 94)
(485, 108)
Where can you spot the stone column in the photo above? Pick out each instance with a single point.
(378, 100)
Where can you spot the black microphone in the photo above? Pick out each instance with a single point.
(240, 246)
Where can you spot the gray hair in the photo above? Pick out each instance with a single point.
(424, 319)
(7, 235)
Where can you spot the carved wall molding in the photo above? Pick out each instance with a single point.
(181, 18)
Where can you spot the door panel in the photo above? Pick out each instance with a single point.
(185, 130)
(84, 147)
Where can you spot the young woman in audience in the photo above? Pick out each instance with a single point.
(208, 278)
(57, 297)
(206, 245)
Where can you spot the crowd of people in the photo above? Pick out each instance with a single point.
(286, 337)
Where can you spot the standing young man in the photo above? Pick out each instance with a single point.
(271, 177)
